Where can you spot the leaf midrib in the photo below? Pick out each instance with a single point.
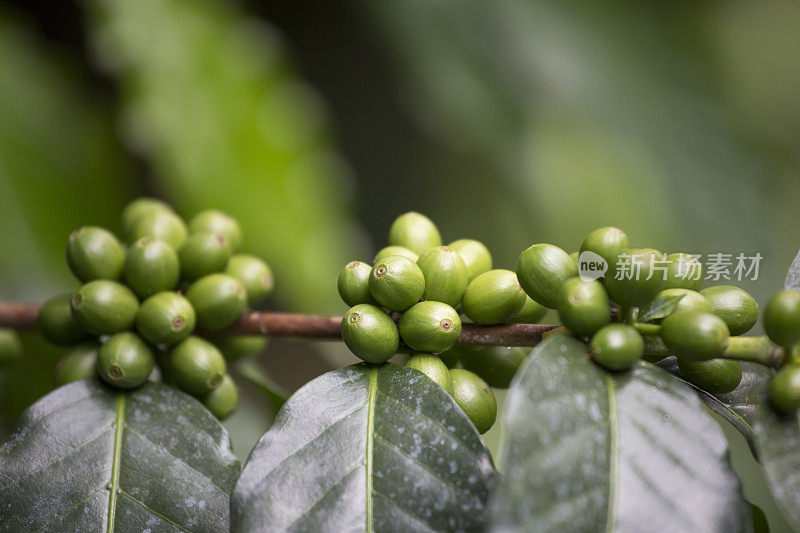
(114, 483)
(373, 386)
(613, 457)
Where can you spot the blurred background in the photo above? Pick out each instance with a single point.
(316, 123)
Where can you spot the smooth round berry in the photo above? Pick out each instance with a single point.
(717, 376)
(695, 335)
(396, 283)
(78, 363)
(139, 208)
(616, 346)
(434, 368)
(235, 347)
(635, 277)
(196, 366)
(690, 300)
(57, 324)
(218, 299)
(104, 307)
(162, 225)
(493, 297)
(475, 255)
(415, 232)
(445, 275)
(10, 347)
(125, 360)
(431, 327)
(353, 284)
(165, 318)
(151, 266)
(370, 333)
(530, 312)
(214, 221)
(202, 254)
(223, 400)
(95, 253)
(383, 253)
(783, 390)
(735, 306)
(254, 274)
(495, 365)
(684, 271)
(583, 307)
(542, 270)
(607, 242)
(782, 318)
(475, 398)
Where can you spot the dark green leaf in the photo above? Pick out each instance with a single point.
(632, 451)
(365, 448)
(90, 458)
(659, 307)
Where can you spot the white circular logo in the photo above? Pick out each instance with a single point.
(591, 266)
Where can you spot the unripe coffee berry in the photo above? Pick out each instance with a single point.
(636, 277)
(151, 266)
(370, 333)
(782, 318)
(434, 368)
(606, 242)
(445, 275)
(160, 224)
(57, 324)
(125, 361)
(415, 232)
(254, 274)
(165, 318)
(717, 376)
(689, 300)
(214, 221)
(353, 284)
(542, 270)
(396, 283)
(783, 390)
(235, 347)
(431, 327)
(735, 306)
(223, 400)
(383, 253)
(530, 313)
(684, 271)
(493, 297)
(495, 365)
(196, 365)
(218, 300)
(10, 347)
(583, 306)
(95, 253)
(616, 346)
(475, 255)
(138, 208)
(78, 363)
(475, 398)
(104, 307)
(695, 335)
(203, 253)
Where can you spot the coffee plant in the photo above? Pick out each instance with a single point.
(606, 423)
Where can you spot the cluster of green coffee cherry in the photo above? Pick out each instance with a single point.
(782, 324)
(135, 316)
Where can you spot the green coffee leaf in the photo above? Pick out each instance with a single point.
(634, 451)
(90, 458)
(366, 448)
(659, 307)
(792, 280)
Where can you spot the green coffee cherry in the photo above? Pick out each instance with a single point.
(223, 400)
(370, 333)
(493, 297)
(95, 253)
(495, 365)
(165, 318)
(214, 221)
(163, 225)
(103, 307)
(717, 376)
(196, 366)
(475, 398)
(542, 270)
(125, 361)
(254, 274)
(684, 271)
(415, 232)
(434, 368)
(606, 242)
(10, 346)
(396, 283)
(530, 312)
(202, 254)
(616, 346)
(445, 275)
(695, 335)
(636, 276)
(235, 347)
(782, 318)
(735, 306)
(690, 300)
(138, 208)
(78, 363)
(583, 307)
(575, 256)
(784, 389)
(353, 284)
(218, 299)
(383, 253)
(56, 322)
(475, 255)
(430, 327)
(151, 266)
